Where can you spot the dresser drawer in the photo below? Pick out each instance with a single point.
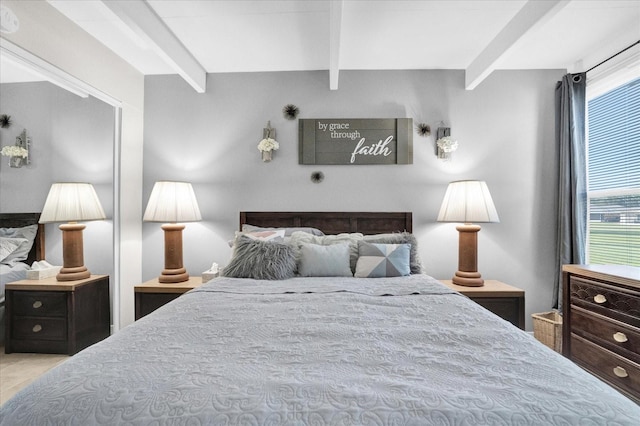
(41, 328)
(39, 303)
(614, 335)
(606, 300)
(616, 370)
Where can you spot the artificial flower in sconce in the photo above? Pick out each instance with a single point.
(19, 153)
(446, 145)
(268, 144)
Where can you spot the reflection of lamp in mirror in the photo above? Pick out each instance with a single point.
(72, 202)
(468, 201)
(170, 203)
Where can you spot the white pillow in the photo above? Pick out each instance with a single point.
(9, 246)
(268, 235)
(299, 238)
(22, 252)
(324, 260)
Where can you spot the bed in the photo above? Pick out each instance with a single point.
(21, 244)
(394, 349)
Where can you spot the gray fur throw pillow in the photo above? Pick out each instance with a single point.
(400, 238)
(261, 260)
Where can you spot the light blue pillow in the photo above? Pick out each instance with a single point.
(324, 260)
(382, 260)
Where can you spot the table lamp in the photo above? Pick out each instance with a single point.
(72, 202)
(468, 201)
(170, 203)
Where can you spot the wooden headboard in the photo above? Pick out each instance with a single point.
(333, 222)
(18, 220)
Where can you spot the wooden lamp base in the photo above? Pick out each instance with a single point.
(174, 271)
(467, 273)
(72, 253)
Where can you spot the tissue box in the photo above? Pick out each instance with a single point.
(40, 274)
(209, 275)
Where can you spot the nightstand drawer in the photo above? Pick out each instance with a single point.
(613, 368)
(40, 303)
(40, 328)
(606, 300)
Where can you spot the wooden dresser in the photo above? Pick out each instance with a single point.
(601, 323)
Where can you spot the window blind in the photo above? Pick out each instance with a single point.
(614, 176)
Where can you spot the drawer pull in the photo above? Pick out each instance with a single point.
(620, 337)
(37, 328)
(620, 372)
(599, 299)
(37, 304)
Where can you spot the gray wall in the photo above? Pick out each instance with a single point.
(505, 129)
(72, 141)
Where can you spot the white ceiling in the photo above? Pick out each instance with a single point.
(190, 37)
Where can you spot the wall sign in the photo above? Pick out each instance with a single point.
(355, 141)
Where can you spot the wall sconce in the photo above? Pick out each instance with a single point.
(268, 144)
(19, 153)
(445, 144)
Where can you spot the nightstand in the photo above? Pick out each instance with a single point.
(153, 294)
(58, 317)
(502, 299)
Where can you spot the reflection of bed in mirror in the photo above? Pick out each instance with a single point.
(21, 244)
(329, 347)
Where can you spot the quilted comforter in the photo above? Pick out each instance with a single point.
(319, 351)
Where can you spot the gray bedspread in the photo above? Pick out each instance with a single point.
(315, 351)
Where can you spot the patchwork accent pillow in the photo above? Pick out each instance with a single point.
(382, 260)
(324, 260)
(22, 252)
(400, 238)
(261, 260)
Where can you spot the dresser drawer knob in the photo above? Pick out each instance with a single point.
(37, 304)
(620, 372)
(620, 337)
(37, 328)
(599, 299)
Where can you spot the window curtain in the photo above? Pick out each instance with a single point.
(572, 182)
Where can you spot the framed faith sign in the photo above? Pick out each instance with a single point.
(355, 141)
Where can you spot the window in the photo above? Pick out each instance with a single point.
(613, 181)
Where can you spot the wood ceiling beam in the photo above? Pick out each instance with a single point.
(532, 14)
(145, 22)
(335, 29)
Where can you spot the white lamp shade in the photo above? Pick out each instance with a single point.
(468, 201)
(71, 202)
(172, 202)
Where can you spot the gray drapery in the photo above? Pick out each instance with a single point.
(572, 182)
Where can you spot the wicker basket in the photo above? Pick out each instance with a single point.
(547, 328)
